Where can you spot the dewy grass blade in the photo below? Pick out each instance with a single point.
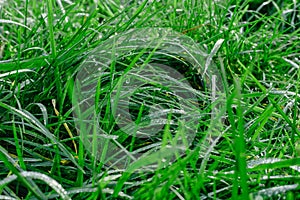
(18, 146)
(213, 52)
(39, 127)
(265, 164)
(239, 147)
(15, 72)
(135, 15)
(274, 191)
(36, 175)
(5, 21)
(43, 110)
(10, 164)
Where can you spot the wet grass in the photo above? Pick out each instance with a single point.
(48, 152)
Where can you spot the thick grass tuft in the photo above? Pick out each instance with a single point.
(254, 153)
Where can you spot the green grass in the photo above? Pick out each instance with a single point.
(49, 152)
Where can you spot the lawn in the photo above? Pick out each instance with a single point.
(113, 99)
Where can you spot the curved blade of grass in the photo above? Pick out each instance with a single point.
(268, 193)
(7, 197)
(40, 127)
(36, 175)
(6, 21)
(264, 164)
(10, 164)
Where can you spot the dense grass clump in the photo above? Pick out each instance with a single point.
(69, 129)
